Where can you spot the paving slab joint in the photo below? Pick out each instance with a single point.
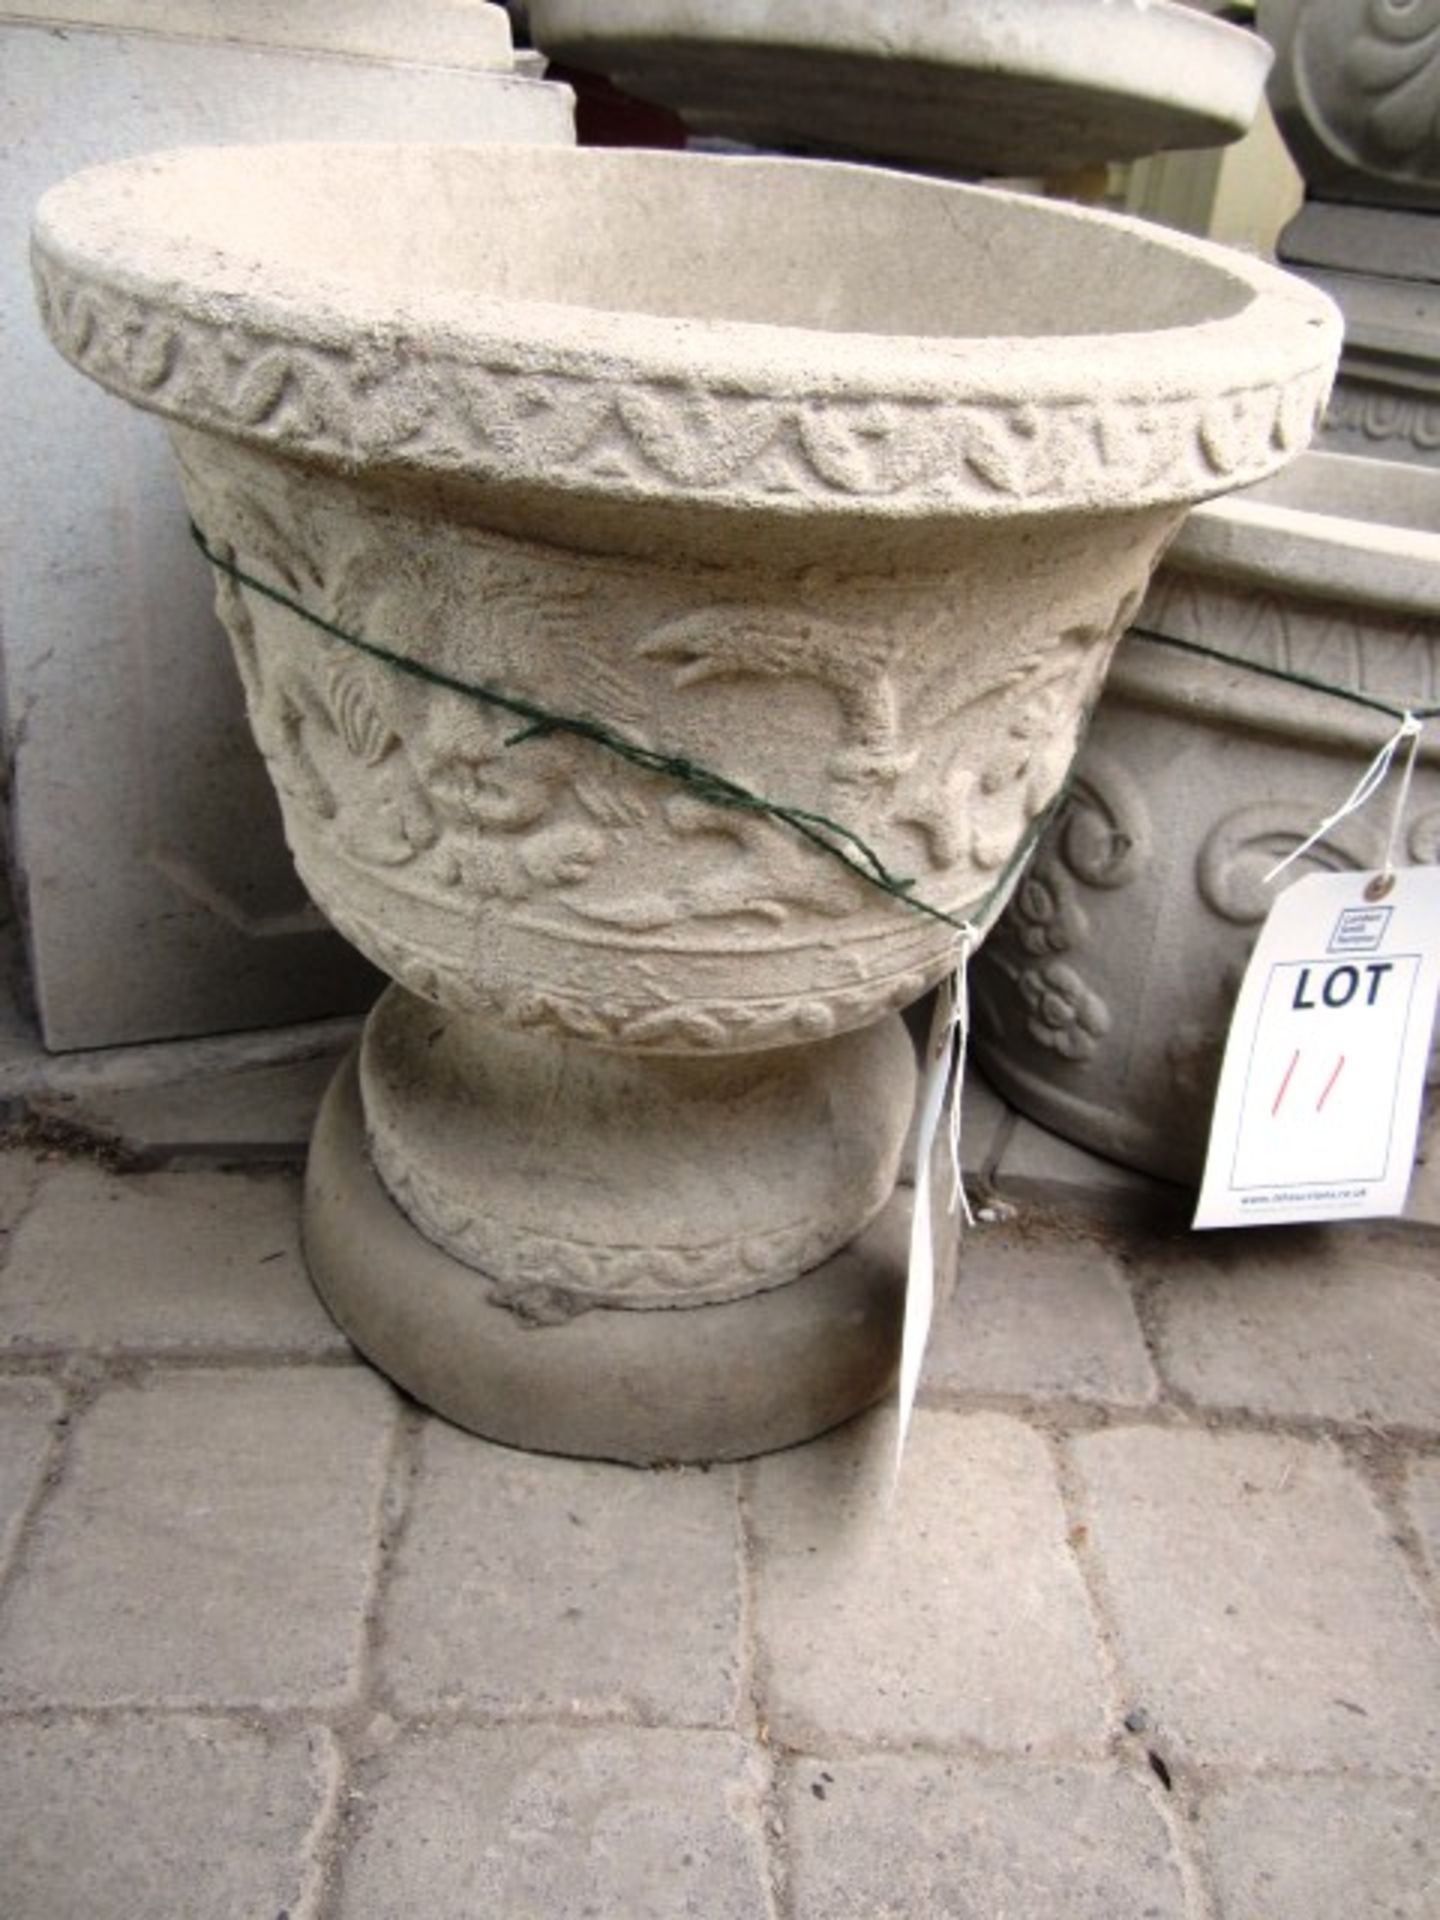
(1135, 1741)
(750, 1701)
(1381, 1466)
(73, 1400)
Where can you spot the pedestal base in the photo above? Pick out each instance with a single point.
(717, 1382)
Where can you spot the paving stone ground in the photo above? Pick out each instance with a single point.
(1149, 1628)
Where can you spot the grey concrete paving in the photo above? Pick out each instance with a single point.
(918, 1835)
(1149, 1629)
(1047, 1322)
(1331, 1848)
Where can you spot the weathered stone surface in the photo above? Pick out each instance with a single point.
(1343, 1848)
(1015, 88)
(1263, 1613)
(211, 1544)
(747, 501)
(1050, 1321)
(618, 1823)
(163, 1262)
(713, 1382)
(912, 1835)
(21, 1173)
(536, 1586)
(953, 1616)
(1424, 1499)
(1293, 1323)
(182, 1815)
(27, 1413)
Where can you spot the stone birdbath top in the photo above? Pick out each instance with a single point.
(954, 86)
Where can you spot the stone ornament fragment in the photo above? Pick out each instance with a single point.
(1103, 998)
(838, 483)
(956, 86)
(1356, 93)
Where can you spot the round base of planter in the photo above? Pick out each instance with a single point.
(717, 1382)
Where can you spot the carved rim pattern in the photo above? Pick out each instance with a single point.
(738, 414)
(573, 1274)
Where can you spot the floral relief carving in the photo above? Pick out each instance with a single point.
(1099, 840)
(639, 437)
(1063, 1013)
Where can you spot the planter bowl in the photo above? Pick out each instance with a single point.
(839, 483)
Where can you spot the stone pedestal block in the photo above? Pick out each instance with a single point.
(667, 593)
(157, 894)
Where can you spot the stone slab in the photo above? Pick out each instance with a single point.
(953, 1616)
(27, 1414)
(256, 1114)
(163, 1262)
(1263, 1614)
(1038, 1166)
(615, 1823)
(212, 1543)
(542, 1586)
(1400, 243)
(1303, 1322)
(917, 1835)
(444, 33)
(1046, 1321)
(1344, 1848)
(134, 1816)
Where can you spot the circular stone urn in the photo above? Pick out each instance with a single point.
(1103, 998)
(834, 482)
(951, 86)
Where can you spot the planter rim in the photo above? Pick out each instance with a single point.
(1293, 533)
(146, 282)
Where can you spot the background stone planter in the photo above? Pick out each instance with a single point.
(747, 462)
(1103, 997)
(969, 87)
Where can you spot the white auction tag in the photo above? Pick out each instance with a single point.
(1319, 1098)
(940, 1079)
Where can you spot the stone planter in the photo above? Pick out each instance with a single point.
(1104, 995)
(748, 462)
(965, 86)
